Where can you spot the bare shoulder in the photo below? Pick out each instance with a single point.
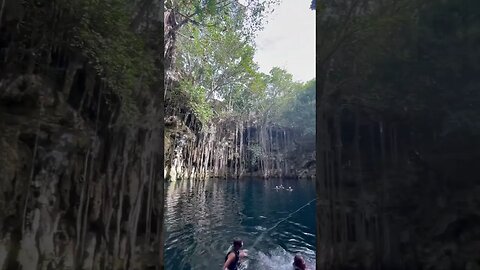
(243, 253)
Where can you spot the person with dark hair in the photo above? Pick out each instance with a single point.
(299, 263)
(234, 255)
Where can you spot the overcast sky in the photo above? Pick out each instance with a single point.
(288, 40)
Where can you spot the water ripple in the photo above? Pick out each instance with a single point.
(203, 216)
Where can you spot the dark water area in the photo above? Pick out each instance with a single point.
(202, 218)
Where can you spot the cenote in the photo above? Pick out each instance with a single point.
(202, 217)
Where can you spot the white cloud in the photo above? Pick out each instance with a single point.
(288, 40)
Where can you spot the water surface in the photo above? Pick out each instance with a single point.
(202, 217)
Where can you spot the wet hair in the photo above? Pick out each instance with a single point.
(299, 263)
(237, 242)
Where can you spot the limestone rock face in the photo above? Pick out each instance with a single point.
(80, 187)
(385, 204)
(231, 148)
(71, 187)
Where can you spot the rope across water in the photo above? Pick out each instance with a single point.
(282, 220)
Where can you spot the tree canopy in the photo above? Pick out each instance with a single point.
(99, 33)
(220, 78)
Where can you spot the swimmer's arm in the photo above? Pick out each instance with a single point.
(230, 259)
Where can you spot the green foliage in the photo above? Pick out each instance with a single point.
(93, 31)
(299, 113)
(221, 79)
(431, 73)
(285, 103)
(285, 98)
(248, 18)
(280, 83)
(220, 65)
(117, 53)
(197, 100)
(412, 61)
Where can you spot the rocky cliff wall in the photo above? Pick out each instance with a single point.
(391, 196)
(75, 191)
(79, 188)
(229, 148)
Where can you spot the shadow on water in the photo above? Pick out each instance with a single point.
(202, 217)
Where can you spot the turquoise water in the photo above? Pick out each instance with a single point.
(202, 217)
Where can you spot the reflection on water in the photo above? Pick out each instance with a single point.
(202, 217)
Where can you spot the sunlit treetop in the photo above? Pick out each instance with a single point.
(249, 15)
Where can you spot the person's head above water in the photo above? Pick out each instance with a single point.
(234, 255)
(237, 243)
(299, 262)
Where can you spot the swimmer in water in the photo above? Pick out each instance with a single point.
(299, 263)
(290, 189)
(234, 255)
